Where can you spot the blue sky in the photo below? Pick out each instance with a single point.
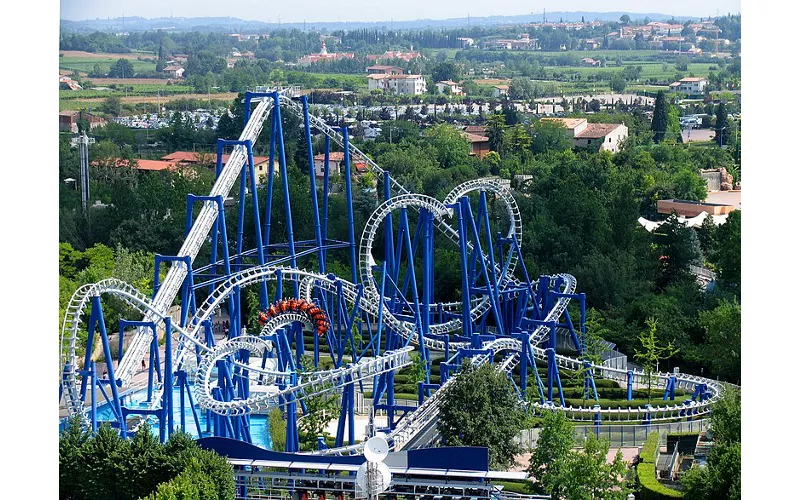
(374, 10)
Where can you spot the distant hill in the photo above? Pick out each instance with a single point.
(233, 24)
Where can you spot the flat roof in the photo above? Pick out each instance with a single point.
(407, 471)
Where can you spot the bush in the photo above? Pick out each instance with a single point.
(651, 489)
(277, 429)
(106, 466)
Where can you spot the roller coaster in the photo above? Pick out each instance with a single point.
(370, 322)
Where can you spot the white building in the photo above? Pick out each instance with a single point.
(500, 90)
(454, 88)
(609, 136)
(398, 84)
(689, 86)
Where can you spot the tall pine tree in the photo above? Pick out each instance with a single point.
(160, 62)
(723, 132)
(659, 126)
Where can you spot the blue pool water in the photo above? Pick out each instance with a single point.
(259, 424)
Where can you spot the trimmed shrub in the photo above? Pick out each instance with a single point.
(651, 489)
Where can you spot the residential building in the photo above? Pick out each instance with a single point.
(398, 84)
(142, 165)
(479, 143)
(174, 71)
(524, 42)
(466, 42)
(591, 44)
(379, 69)
(324, 56)
(394, 54)
(689, 85)
(260, 163)
(608, 136)
(336, 165)
(66, 81)
(588, 61)
(453, 88)
(68, 120)
(500, 90)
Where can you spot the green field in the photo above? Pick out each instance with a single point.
(132, 90)
(86, 64)
(649, 69)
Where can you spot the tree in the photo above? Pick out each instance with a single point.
(682, 63)
(652, 352)
(112, 105)
(618, 83)
(160, 62)
(722, 128)
(495, 129)
(728, 255)
(569, 474)
(722, 477)
(659, 126)
(625, 19)
(481, 408)
(549, 135)
(445, 71)
(121, 69)
(723, 339)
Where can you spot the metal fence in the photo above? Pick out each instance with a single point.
(620, 435)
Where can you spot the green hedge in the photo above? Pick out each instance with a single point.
(651, 489)
(523, 488)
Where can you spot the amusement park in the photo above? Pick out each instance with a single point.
(189, 360)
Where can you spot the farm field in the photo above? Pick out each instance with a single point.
(101, 55)
(137, 89)
(649, 69)
(85, 63)
(94, 103)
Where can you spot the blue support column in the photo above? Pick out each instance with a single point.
(348, 184)
(96, 320)
(287, 206)
(167, 398)
(630, 385)
(312, 174)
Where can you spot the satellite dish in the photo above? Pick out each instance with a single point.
(373, 478)
(376, 449)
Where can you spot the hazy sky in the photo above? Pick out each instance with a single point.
(375, 10)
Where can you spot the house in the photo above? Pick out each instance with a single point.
(480, 144)
(143, 165)
(608, 136)
(452, 87)
(476, 129)
(336, 165)
(394, 54)
(465, 42)
(398, 84)
(591, 44)
(66, 81)
(174, 71)
(324, 56)
(500, 90)
(588, 61)
(379, 69)
(524, 42)
(68, 120)
(689, 85)
(260, 163)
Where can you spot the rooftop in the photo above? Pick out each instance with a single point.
(597, 130)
